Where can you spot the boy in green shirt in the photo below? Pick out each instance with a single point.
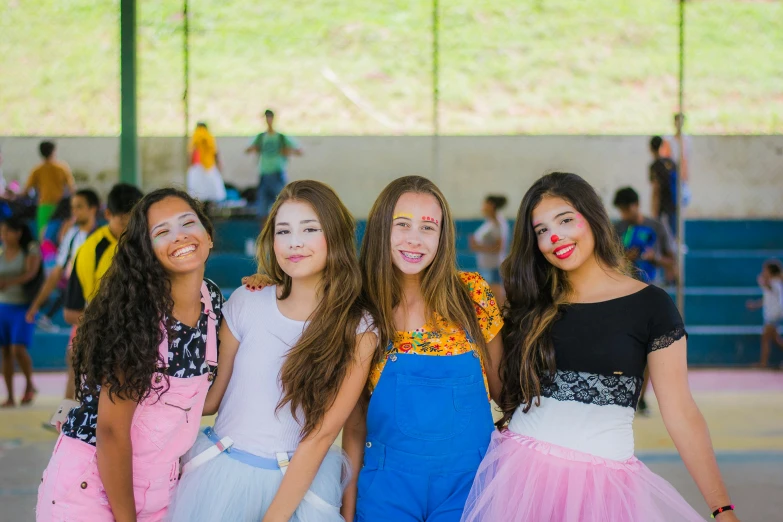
(273, 149)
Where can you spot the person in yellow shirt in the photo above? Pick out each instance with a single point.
(50, 179)
(204, 180)
(94, 256)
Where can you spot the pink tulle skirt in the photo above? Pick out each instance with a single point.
(525, 480)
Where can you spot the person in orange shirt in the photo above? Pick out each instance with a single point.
(49, 179)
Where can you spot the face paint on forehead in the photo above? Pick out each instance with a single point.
(430, 219)
(403, 215)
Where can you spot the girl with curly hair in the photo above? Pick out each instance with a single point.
(144, 356)
(294, 359)
(578, 334)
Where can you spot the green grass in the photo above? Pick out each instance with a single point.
(506, 66)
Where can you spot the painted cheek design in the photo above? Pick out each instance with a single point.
(430, 219)
(580, 221)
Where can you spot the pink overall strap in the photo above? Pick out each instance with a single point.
(206, 298)
(211, 356)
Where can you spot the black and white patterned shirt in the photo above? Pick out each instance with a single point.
(186, 358)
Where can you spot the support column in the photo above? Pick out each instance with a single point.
(129, 154)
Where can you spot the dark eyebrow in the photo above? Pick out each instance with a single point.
(283, 223)
(181, 216)
(535, 226)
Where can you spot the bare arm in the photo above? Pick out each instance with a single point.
(492, 248)
(313, 449)
(115, 454)
(656, 197)
(228, 351)
(72, 317)
(46, 290)
(252, 148)
(30, 183)
(664, 260)
(32, 263)
(686, 425)
(754, 304)
(354, 438)
(492, 367)
(71, 182)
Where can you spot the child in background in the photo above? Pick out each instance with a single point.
(20, 267)
(50, 180)
(771, 282)
(490, 242)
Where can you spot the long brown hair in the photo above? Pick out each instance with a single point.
(536, 289)
(443, 291)
(316, 365)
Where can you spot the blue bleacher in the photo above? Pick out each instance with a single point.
(724, 257)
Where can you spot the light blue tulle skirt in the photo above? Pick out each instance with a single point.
(225, 489)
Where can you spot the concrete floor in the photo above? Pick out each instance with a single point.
(744, 410)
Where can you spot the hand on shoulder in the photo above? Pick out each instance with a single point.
(256, 282)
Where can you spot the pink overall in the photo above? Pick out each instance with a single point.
(163, 429)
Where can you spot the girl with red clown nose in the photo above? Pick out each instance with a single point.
(578, 335)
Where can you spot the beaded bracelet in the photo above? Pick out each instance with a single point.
(722, 509)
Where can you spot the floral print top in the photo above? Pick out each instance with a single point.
(441, 337)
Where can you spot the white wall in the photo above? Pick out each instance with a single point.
(731, 176)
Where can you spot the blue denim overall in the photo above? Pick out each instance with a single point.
(428, 427)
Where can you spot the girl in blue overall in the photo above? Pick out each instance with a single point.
(419, 441)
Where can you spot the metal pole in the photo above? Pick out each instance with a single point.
(186, 67)
(186, 81)
(680, 184)
(435, 89)
(129, 159)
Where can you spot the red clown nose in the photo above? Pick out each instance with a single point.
(555, 238)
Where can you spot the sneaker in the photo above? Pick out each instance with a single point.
(46, 324)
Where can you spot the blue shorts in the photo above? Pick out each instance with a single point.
(14, 329)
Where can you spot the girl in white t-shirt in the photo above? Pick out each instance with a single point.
(771, 303)
(490, 243)
(294, 358)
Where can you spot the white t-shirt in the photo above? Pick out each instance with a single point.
(772, 302)
(247, 413)
(488, 233)
(66, 252)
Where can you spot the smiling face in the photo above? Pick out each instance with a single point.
(563, 234)
(179, 240)
(300, 242)
(415, 233)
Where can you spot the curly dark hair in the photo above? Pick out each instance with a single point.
(118, 339)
